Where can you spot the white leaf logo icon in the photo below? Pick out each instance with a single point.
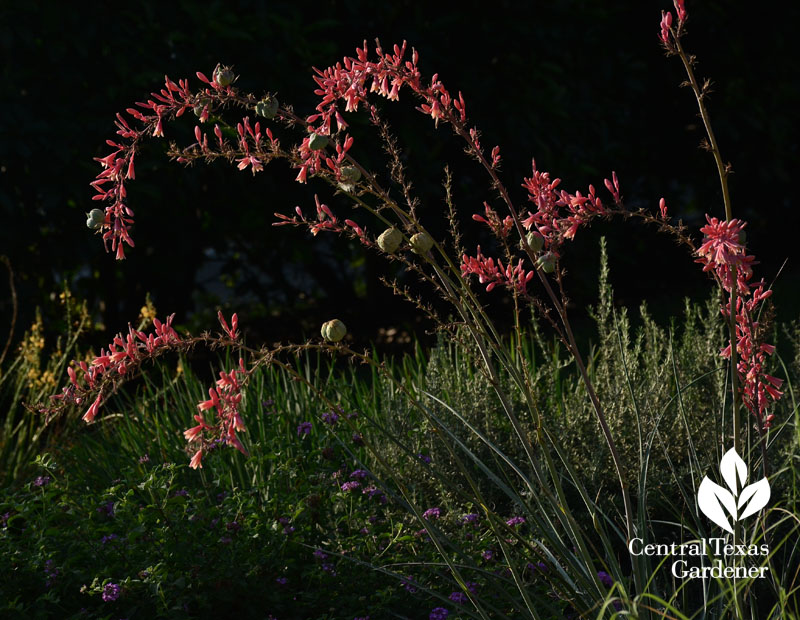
(712, 498)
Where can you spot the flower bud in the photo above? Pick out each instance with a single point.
(267, 107)
(421, 243)
(317, 142)
(95, 218)
(349, 175)
(223, 75)
(390, 239)
(535, 241)
(547, 262)
(333, 331)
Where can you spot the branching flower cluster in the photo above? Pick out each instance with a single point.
(723, 251)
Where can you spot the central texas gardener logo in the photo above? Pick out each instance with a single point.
(727, 506)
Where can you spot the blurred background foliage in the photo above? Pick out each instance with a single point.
(582, 86)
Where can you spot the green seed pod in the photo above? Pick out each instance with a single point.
(390, 239)
(267, 107)
(350, 175)
(200, 105)
(535, 240)
(333, 331)
(223, 75)
(317, 142)
(421, 243)
(547, 262)
(95, 218)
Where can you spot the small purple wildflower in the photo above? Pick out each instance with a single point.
(470, 518)
(515, 521)
(458, 597)
(359, 474)
(439, 613)
(320, 554)
(351, 416)
(351, 486)
(363, 531)
(605, 579)
(108, 539)
(424, 458)
(408, 584)
(373, 519)
(233, 526)
(472, 586)
(111, 592)
(432, 513)
(282, 580)
(488, 555)
(330, 417)
(51, 572)
(42, 481)
(303, 429)
(328, 568)
(107, 508)
(181, 493)
(358, 439)
(145, 458)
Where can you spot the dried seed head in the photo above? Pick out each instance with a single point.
(267, 107)
(333, 330)
(421, 243)
(390, 239)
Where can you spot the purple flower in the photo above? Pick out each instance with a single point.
(111, 592)
(351, 416)
(320, 554)
(144, 459)
(439, 613)
(42, 481)
(359, 474)
(282, 580)
(408, 584)
(363, 531)
(470, 518)
(303, 429)
(330, 417)
(458, 597)
(351, 486)
(4, 519)
(268, 406)
(605, 579)
(488, 555)
(107, 508)
(424, 458)
(328, 568)
(108, 539)
(472, 587)
(233, 526)
(181, 493)
(432, 513)
(358, 439)
(515, 521)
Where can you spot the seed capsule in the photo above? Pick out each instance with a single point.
(547, 262)
(535, 240)
(390, 239)
(267, 107)
(350, 175)
(421, 243)
(317, 142)
(95, 218)
(333, 331)
(223, 75)
(200, 106)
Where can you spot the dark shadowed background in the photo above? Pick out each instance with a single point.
(582, 86)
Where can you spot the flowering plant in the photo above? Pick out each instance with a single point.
(531, 242)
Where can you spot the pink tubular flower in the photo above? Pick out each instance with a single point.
(723, 252)
(196, 461)
(492, 272)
